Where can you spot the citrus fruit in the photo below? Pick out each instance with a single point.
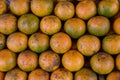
(7, 60)
(49, 61)
(98, 25)
(117, 61)
(28, 23)
(16, 74)
(41, 7)
(19, 7)
(2, 41)
(75, 27)
(50, 24)
(3, 7)
(102, 63)
(88, 45)
(64, 10)
(85, 74)
(38, 42)
(17, 42)
(111, 44)
(2, 75)
(27, 60)
(73, 63)
(60, 42)
(108, 8)
(114, 75)
(61, 74)
(8, 24)
(38, 74)
(86, 9)
(116, 25)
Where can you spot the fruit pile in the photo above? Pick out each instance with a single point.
(59, 40)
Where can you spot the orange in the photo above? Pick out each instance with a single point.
(2, 75)
(19, 7)
(60, 42)
(88, 45)
(16, 74)
(85, 74)
(116, 25)
(2, 41)
(3, 7)
(98, 25)
(64, 10)
(114, 75)
(38, 42)
(85, 12)
(50, 24)
(75, 27)
(27, 60)
(7, 60)
(73, 60)
(111, 44)
(41, 7)
(28, 23)
(108, 8)
(117, 61)
(102, 63)
(17, 42)
(49, 61)
(61, 74)
(8, 23)
(38, 74)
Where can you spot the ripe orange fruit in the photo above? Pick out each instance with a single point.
(64, 10)
(116, 25)
(19, 7)
(88, 45)
(61, 74)
(102, 63)
(50, 24)
(17, 42)
(111, 44)
(86, 9)
(98, 25)
(85, 74)
(75, 27)
(73, 63)
(115, 75)
(41, 7)
(38, 42)
(27, 60)
(2, 41)
(16, 74)
(8, 24)
(7, 60)
(117, 61)
(108, 8)
(28, 23)
(3, 7)
(49, 61)
(38, 74)
(2, 75)
(60, 42)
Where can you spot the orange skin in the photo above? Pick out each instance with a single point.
(114, 75)
(50, 25)
(118, 61)
(2, 41)
(25, 62)
(16, 74)
(116, 25)
(64, 10)
(61, 74)
(19, 7)
(8, 24)
(60, 42)
(2, 75)
(49, 61)
(17, 42)
(38, 74)
(73, 63)
(3, 7)
(7, 60)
